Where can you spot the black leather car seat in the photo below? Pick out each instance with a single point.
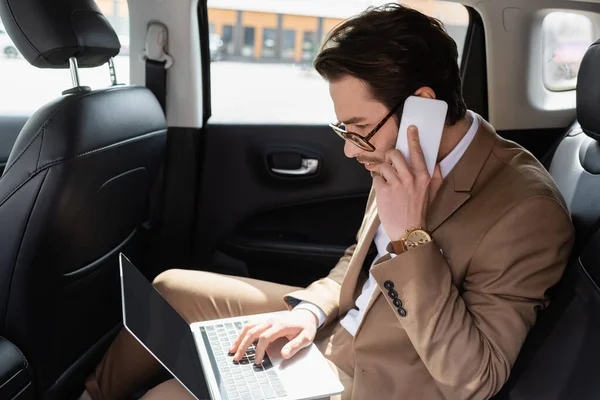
(73, 195)
(575, 164)
(559, 360)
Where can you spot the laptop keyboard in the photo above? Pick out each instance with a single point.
(243, 380)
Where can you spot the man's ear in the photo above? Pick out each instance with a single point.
(425, 91)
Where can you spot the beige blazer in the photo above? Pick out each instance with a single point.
(502, 237)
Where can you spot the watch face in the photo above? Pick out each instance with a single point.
(417, 238)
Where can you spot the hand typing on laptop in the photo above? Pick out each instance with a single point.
(299, 326)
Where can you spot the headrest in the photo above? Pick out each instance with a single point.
(49, 32)
(588, 92)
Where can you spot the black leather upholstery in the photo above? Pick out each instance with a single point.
(559, 359)
(575, 165)
(15, 372)
(588, 92)
(575, 168)
(73, 194)
(48, 33)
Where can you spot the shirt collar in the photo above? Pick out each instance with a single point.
(448, 163)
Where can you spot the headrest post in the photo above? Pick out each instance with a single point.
(113, 71)
(74, 71)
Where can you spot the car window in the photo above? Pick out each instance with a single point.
(24, 88)
(566, 37)
(262, 54)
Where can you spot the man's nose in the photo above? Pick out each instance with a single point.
(351, 150)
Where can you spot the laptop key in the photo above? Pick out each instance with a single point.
(246, 396)
(268, 391)
(257, 367)
(267, 364)
(257, 394)
(278, 387)
(253, 385)
(281, 393)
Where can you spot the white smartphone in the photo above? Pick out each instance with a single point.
(429, 116)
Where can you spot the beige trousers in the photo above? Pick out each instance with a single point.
(202, 296)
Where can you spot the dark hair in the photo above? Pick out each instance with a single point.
(395, 50)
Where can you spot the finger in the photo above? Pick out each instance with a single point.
(400, 165)
(417, 158)
(295, 345)
(236, 343)
(388, 173)
(378, 183)
(265, 339)
(436, 182)
(250, 337)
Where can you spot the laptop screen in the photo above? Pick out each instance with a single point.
(161, 329)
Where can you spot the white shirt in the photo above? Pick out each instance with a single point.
(352, 319)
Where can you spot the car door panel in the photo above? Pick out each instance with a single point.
(285, 228)
(307, 239)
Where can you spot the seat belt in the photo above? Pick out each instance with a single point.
(157, 61)
(170, 205)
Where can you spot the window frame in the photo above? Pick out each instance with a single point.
(203, 18)
(558, 87)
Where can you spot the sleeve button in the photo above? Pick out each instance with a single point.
(393, 294)
(388, 285)
(402, 312)
(398, 303)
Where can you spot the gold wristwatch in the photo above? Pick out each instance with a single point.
(413, 238)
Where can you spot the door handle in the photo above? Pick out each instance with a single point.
(309, 166)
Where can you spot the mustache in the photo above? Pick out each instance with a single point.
(369, 160)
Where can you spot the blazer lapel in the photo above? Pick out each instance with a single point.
(456, 189)
(363, 245)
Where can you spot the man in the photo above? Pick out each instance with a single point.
(464, 258)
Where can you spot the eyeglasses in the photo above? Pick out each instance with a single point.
(358, 140)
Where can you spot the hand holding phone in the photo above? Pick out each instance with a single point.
(429, 116)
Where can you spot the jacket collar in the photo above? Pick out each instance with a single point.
(457, 186)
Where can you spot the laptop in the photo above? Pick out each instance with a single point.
(197, 354)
